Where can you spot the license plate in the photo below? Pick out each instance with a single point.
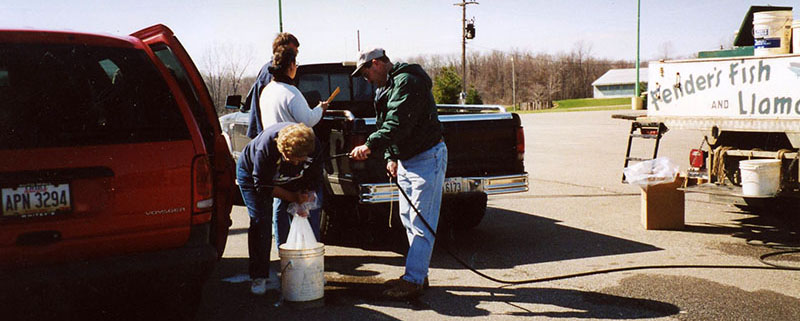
(453, 185)
(36, 200)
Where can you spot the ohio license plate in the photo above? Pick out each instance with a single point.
(35, 200)
(453, 185)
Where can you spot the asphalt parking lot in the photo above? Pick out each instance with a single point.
(577, 217)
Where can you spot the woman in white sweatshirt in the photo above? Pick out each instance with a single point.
(280, 100)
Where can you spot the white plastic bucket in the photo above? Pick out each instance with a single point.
(302, 273)
(760, 177)
(772, 31)
(796, 36)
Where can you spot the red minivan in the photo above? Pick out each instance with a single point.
(112, 163)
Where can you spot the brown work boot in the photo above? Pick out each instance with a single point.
(404, 290)
(394, 282)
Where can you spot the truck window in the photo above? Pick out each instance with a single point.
(363, 90)
(318, 86)
(63, 95)
(343, 82)
(315, 87)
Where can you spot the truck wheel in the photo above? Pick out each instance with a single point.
(325, 225)
(468, 210)
(331, 225)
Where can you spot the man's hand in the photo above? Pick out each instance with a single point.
(323, 105)
(360, 152)
(391, 168)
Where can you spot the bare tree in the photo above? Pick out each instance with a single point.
(540, 78)
(223, 67)
(666, 50)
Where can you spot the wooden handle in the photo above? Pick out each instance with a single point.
(333, 95)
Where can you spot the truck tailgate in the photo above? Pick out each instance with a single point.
(482, 144)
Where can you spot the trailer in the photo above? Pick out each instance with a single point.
(748, 108)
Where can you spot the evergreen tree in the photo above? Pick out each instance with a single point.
(473, 97)
(447, 86)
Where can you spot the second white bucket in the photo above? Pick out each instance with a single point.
(772, 31)
(303, 273)
(760, 177)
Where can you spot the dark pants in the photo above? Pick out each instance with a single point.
(259, 207)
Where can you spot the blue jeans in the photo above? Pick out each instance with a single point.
(421, 177)
(281, 218)
(259, 207)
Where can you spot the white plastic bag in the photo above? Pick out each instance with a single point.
(301, 236)
(652, 172)
(304, 209)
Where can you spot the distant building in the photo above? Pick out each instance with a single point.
(618, 83)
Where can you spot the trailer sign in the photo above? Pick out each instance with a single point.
(744, 87)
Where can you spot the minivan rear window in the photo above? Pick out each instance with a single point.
(74, 95)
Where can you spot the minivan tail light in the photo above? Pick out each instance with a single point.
(202, 190)
(520, 143)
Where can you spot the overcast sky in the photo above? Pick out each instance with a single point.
(327, 29)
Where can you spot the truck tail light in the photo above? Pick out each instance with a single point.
(202, 190)
(520, 143)
(697, 158)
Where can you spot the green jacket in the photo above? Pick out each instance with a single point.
(406, 117)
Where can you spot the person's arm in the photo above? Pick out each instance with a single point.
(298, 197)
(401, 115)
(298, 107)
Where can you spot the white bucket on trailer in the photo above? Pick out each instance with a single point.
(772, 31)
(303, 273)
(760, 177)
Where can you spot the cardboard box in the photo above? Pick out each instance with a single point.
(663, 206)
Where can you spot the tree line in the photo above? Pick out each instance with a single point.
(539, 77)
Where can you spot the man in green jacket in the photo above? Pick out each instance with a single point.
(409, 131)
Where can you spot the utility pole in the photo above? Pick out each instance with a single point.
(513, 85)
(463, 4)
(280, 17)
(638, 9)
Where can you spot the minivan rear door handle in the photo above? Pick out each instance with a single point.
(57, 174)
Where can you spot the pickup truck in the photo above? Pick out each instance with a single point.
(485, 153)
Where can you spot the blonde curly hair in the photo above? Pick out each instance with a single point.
(296, 140)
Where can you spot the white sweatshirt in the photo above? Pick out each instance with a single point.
(281, 102)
